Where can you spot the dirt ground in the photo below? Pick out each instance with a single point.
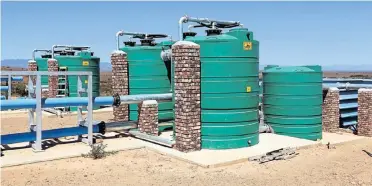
(346, 164)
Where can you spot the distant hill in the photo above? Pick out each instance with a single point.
(106, 66)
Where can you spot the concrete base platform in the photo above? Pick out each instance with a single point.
(204, 158)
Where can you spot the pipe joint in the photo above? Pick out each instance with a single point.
(117, 100)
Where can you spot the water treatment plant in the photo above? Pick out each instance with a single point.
(194, 96)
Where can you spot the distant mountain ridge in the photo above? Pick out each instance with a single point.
(106, 66)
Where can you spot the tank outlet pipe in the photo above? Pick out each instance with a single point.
(122, 33)
(14, 78)
(66, 46)
(154, 139)
(83, 101)
(39, 50)
(186, 19)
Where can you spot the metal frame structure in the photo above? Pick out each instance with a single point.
(9, 79)
(36, 93)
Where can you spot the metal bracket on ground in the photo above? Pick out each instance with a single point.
(279, 154)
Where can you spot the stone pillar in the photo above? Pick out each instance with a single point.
(364, 126)
(186, 59)
(53, 80)
(119, 64)
(32, 66)
(331, 110)
(148, 117)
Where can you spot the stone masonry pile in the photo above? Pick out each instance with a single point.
(365, 112)
(119, 64)
(32, 66)
(148, 117)
(53, 80)
(331, 111)
(186, 58)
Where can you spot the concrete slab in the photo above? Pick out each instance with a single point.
(205, 158)
(214, 158)
(336, 138)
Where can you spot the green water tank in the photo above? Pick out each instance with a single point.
(81, 61)
(229, 88)
(293, 100)
(42, 65)
(149, 74)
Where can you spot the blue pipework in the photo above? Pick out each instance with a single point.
(13, 78)
(50, 134)
(4, 88)
(81, 101)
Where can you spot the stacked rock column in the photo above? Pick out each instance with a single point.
(119, 64)
(365, 112)
(32, 66)
(186, 59)
(148, 117)
(331, 110)
(53, 80)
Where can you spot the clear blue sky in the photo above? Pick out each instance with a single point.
(290, 33)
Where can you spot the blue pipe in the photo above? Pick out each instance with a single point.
(81, 101)
(47, 134)
(4, 88)
(14, 78)
(55, 102)
(2, 97)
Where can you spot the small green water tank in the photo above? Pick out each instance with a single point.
(229, 88)
(149, 74)
(292, 100)
(82, 61)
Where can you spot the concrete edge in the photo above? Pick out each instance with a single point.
(175, 157)
(228, 163)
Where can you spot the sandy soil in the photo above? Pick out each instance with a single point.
(347, 164)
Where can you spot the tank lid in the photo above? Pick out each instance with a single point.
(211, 32)
(46, 56)
(192, 34)
(129, 43)
(148, 42)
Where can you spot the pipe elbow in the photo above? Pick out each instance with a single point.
(120, 33)
(183, 20)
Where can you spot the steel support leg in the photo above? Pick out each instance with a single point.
(37, 146)
(9, 87)
(31, 112)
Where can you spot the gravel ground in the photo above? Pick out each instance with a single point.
(345, 164)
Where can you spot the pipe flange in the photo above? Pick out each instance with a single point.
(147, 42)
(117, 101)
(46, 56)
(192, 34)
(129, 43)
(213, 32)
(102, 127)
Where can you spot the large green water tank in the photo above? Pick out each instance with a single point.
(149, 74)
(229, 89)
(82, 61)
(293, 100)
